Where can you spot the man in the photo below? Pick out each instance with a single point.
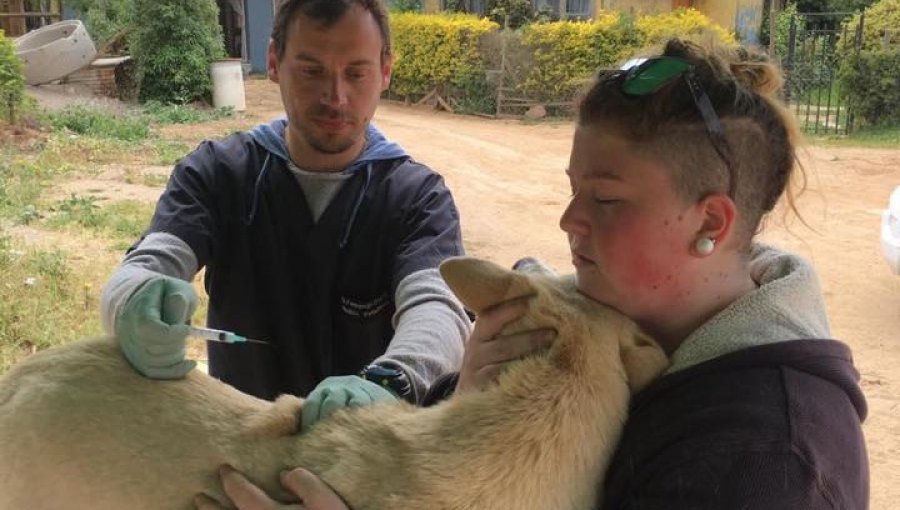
(319, 237)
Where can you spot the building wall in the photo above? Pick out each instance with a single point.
(259, 15)
(742, 16)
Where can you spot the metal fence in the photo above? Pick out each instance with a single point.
(816, 44)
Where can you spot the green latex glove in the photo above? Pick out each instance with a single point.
(338, 392)
(151, 327)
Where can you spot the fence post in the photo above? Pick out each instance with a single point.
(503, 35)
(857, 47)
(773, 15)
(789, 65)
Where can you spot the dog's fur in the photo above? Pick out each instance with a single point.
(80, 429)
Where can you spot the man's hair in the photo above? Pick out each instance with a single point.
(326, 12)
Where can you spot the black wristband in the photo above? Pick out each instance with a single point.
(393, 379)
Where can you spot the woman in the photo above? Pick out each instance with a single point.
(675, 163)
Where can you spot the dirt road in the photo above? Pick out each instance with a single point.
(509, 184)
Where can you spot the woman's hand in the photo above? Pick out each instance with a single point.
(487, 352)
(312, 491)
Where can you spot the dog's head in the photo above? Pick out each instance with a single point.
(588, 331)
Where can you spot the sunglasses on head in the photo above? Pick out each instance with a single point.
(644, 77)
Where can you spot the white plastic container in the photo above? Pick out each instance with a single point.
(228, 84)
(890, 232)
(55, 51)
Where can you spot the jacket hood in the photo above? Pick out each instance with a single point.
(271, 136)
(787, 305)
(825, 359)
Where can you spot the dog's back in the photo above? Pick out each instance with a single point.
(80, 429)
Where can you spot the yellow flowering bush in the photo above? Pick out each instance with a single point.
(684, 23)
(434, 51)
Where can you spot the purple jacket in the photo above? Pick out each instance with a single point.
(771, 427)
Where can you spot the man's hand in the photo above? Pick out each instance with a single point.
(312, 491)
(151, 327)
(338, 392)
(487, 352)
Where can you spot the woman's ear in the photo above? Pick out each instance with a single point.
(718, 216)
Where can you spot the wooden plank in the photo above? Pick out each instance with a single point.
(443, 103)
(427, 97)
(14, 26)
(29, 15)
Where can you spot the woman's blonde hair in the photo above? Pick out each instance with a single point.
(743, 87)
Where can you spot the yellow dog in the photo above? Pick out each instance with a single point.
(80, 429)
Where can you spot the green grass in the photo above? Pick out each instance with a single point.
(50, 296)
(22, 179)
(875, 138)
(42, 302)
(123, 220)
(169, 152)
(130, 126)
(98, 123)
(182, 114)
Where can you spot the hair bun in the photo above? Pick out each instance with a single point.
(754, 71)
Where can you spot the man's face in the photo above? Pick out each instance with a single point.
(331, 79)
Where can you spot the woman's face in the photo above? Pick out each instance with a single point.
(630, 234)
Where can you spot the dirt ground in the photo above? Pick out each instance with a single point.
(508, 180)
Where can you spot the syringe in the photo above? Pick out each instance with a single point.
(218, 335)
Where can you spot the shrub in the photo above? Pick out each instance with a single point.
(881, 17)
(565, 54)
(103, 19)
(872, 86)
(12, 82)
(548, 62)
(173, 43)
(684, 23)
(783, 29)
(438, 52)
(869, 80)
(405, 5)
(520, 12)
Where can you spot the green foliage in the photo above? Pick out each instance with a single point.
(42, 301)
(783, 29)
(103, 19)
(405, 5)
(883, 16)
(12, 81)
(172, 43)
(161, 113)
(872, 86)
(684, 23)
(832, 5)
(870, 80)
(566, 54)
(123, 220)
(98, 123)
(520, 12)
(548, 61)
(21, 183)
(438, 52)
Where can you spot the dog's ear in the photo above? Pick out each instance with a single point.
(643, 359)
(480, 284)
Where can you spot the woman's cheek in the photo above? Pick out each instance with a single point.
(647, 260)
